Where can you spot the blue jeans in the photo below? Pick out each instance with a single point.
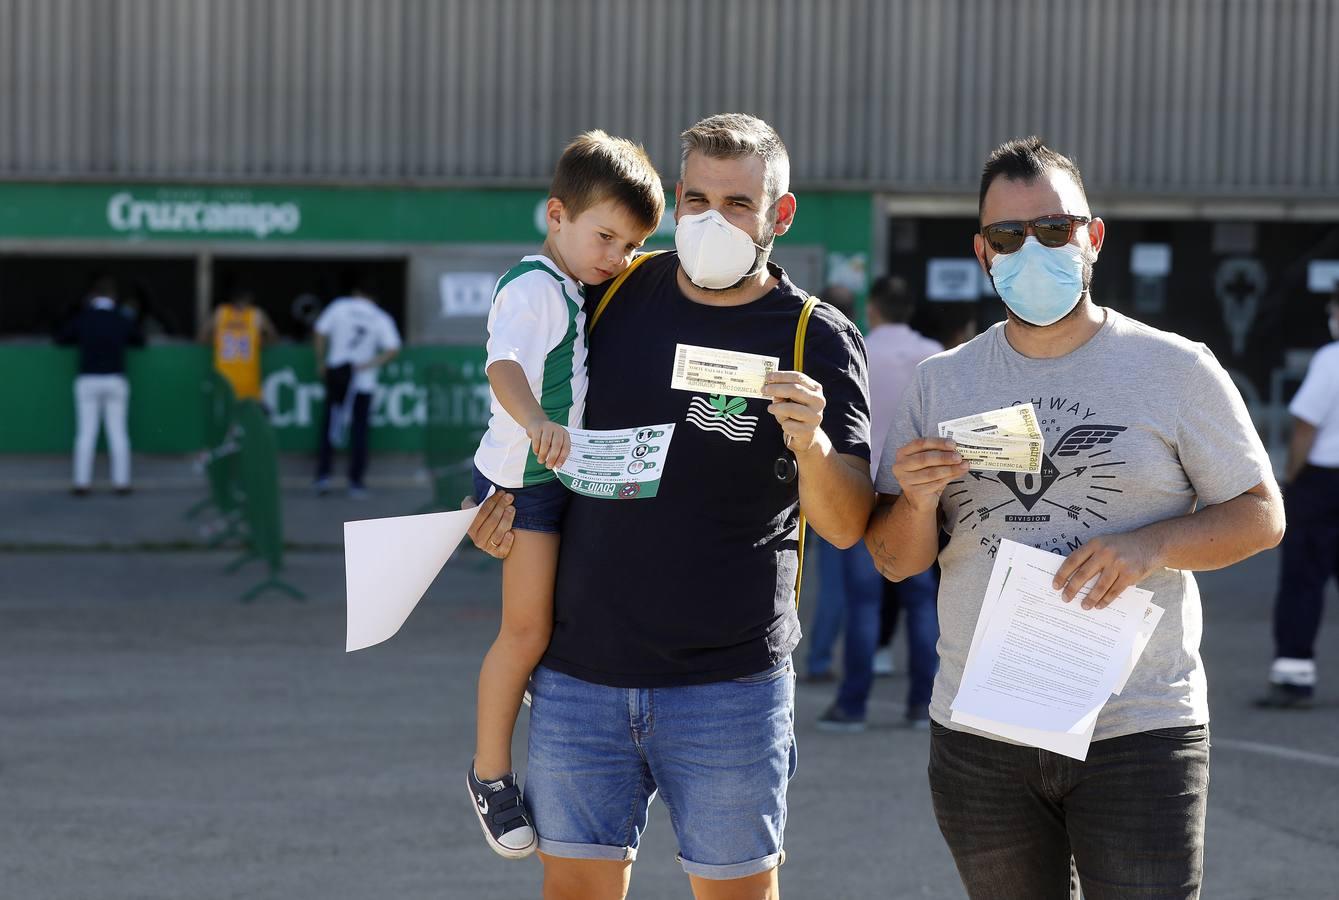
(358, 431)
(851, 589)
(919, 596)
(720, 755)
(1131, 816)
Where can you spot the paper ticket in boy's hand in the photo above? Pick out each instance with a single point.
(711, 371)
(1001, 440)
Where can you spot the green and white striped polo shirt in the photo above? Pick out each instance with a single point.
(538, 321)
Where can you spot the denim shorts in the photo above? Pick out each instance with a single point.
(539, 507)
(720, 755)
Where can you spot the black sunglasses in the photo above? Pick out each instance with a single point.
(1051, 231)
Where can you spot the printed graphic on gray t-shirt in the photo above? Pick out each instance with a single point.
(1140, 426)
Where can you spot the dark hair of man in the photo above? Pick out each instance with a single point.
(1024, 159)
(736, 135)
(597, 167)
(892, 298)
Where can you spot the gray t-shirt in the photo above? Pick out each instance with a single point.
(1140, 426)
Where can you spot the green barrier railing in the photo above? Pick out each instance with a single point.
(258, 477)
(448, 442)
(218, 460)
(241, 465)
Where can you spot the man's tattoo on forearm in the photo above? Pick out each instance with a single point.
(885, 560)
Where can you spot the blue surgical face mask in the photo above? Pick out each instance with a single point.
(1039, 284)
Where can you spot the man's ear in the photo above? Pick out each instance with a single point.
(979, 249)
(785, 213)
(1097, 234)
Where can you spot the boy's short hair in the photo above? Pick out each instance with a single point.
(597, 167)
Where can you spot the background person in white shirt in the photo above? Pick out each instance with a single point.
(1311, 546)
(353, 338)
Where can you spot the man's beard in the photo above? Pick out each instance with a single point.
(762, 252)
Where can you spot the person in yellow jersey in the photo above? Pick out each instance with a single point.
(238, 329)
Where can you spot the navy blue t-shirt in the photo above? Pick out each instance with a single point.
(697, 583)
(102, 336)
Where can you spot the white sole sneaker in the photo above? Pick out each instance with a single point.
(496, 846)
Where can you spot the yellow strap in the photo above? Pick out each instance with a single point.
(801, 329)
(613, 287)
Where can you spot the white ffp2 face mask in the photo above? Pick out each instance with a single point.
(714, 253)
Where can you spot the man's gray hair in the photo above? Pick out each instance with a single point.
(735, 135)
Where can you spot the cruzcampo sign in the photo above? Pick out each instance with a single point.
(837, 221)
(146, 212)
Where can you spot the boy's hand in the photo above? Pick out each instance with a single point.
(550, 441)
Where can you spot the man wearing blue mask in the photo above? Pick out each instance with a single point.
(674, 617)
(1152, 470)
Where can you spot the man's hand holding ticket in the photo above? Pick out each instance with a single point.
(1002, 440)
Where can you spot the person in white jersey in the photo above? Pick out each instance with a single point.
(605, 200)
(1311, 547)
(354, 338)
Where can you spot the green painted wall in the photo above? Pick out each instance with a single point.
(166, 411)
(167, 407)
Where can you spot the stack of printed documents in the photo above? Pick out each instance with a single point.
(1039, 669)
(1002, 440)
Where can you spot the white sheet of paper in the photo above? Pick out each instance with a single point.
(389, 564)
(1040, 662)
(1152, 616)
(1072, 744)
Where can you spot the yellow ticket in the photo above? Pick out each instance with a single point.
(997, 453)
(712, 371)
(1014, 421)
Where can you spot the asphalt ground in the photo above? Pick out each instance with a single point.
(158, 739)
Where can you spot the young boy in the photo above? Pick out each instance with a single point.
(605, 200)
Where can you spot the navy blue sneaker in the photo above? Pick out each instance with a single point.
(502, 815)
(837, 719)
(1287, 696)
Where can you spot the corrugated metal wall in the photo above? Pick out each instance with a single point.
(1199, 97)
